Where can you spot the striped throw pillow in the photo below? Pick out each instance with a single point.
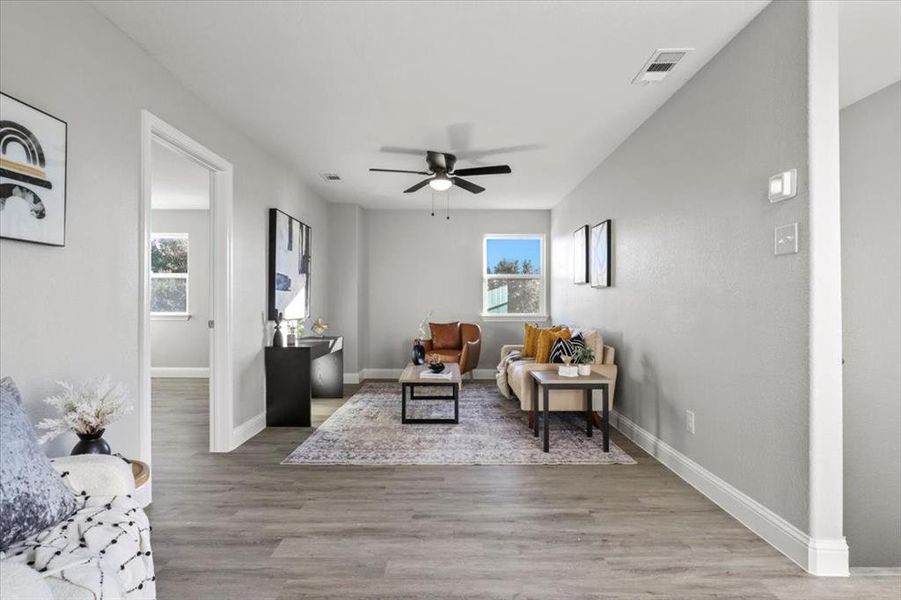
(561, 348)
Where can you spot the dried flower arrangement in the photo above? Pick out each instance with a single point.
(87, 408)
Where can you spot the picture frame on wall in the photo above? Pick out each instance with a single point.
(32, 174)
(580, 255)
(600, 254)
(290, 245)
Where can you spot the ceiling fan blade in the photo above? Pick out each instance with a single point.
(497, 170)
(468, 186)
(418, 186)
(400, 171)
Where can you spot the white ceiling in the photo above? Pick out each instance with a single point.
(869, 47)
(326, 85)
(542, 86)
(177, 182)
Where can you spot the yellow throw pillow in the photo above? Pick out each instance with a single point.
(546, 340)
(530, 340)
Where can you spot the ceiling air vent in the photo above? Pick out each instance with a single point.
(331, 177)
(661, 63)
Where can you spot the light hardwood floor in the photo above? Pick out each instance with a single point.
(242, 526)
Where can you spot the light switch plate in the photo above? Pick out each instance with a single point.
(786, 239)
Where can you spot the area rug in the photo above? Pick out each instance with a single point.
(493, 430)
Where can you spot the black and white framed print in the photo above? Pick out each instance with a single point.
(290, 243)
(32, 174)
(580, 255)
(600, 254)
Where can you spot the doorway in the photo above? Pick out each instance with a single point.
(165, 282)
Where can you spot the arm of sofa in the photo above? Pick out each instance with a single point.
(97, 474)
(508, 348)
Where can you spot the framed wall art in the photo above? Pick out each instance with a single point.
(32, 174)
(290, 243)
(580, 255)
(600, 254)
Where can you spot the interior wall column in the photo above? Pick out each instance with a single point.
(827, 551)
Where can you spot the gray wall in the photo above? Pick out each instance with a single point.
(871, 286)
(95, 78)
(419, 263)
(186, 344)
(703, 315)
(347, 292)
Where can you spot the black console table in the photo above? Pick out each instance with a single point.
(314, 368)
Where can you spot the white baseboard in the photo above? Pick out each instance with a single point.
(365, 374)
(816, 556)
(247, 430)
(187, 372)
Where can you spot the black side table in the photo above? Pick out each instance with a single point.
(551, 380)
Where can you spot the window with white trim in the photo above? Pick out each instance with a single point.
(169, 274)
(513, 276)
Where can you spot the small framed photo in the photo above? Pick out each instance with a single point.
(32, 174)
(600, 254)
(580, 255)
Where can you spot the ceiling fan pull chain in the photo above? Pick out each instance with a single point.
(448, 205)
(433, 203)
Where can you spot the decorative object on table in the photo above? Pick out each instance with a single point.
(584, 357)
(319, 326)
(600, 254)
(32, 174)
(434, 363)
(290, 244)
(87, 410)
(580, 255)
(418, 352)
(566, 369)
(278, 339)
(292, 335)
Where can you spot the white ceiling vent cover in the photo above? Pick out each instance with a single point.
(661, 64)
(331, 177)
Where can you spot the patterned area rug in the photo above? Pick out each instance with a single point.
(367, 430)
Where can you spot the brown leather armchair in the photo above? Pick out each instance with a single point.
(456, 342)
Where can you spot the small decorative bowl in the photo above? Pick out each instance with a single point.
(436, 367)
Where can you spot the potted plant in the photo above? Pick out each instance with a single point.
(87, 410)
(584, 357)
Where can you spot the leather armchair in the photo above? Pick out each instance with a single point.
(456, 342)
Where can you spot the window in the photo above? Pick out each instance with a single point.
(169, 274)
(513, 273)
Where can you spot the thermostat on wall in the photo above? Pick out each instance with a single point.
(783, 186)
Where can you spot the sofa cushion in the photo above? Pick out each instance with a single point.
(545, 340)
(33, 496)
(446, 336)
(562, 347)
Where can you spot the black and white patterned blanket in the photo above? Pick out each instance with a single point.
(103, 547)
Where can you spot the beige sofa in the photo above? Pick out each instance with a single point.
(520, 382)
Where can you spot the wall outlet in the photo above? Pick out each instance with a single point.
(690, 421)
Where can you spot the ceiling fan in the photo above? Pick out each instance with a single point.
(443, 176)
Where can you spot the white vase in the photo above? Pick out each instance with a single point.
(584, 370)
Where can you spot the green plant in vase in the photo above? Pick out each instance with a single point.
(584, 357)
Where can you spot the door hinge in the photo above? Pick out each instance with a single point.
(210, 324)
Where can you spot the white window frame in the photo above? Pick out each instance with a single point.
(173, 316)
(541, 315)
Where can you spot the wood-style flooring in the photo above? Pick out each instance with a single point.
(241, 526)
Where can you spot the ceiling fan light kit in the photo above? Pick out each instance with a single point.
(443, 174)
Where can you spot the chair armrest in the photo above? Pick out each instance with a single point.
(508, 348)
(97, 474)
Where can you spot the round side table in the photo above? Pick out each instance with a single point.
(141, 472)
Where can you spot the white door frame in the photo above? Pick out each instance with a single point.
(154, 129)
